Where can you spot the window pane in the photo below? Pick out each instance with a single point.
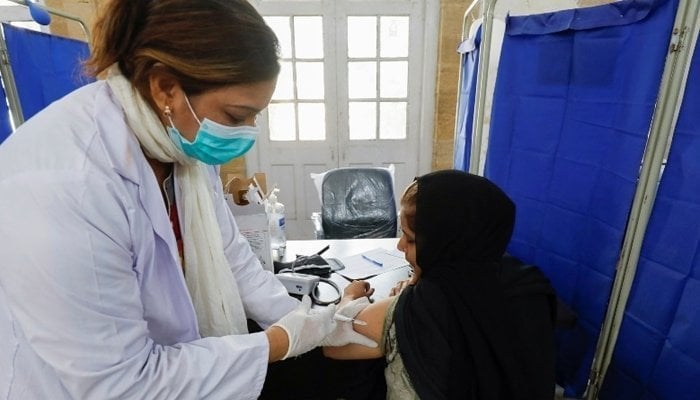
(285, 83)
(312, 121)
(394, 79)
(362, 80)
(308, 37)
(394, 37)
(363, 120)
(280, 25)
(362, 37)
(392, 124)
(310, 80)
(282, 121)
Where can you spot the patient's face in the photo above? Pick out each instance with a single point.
(407, 244)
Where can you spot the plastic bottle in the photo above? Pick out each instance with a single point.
(275, 217)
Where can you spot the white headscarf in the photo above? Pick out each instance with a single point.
(211, 283)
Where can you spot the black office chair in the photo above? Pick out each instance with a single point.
(357, 203)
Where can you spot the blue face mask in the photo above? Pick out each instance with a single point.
(214, 143)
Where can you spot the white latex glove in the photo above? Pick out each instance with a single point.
(306, 327)
(344, 333)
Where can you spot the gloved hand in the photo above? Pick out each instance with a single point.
(344, 333)
(305, 327)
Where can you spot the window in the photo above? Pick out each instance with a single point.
(377, 76)
(300, 98)
(374, 43)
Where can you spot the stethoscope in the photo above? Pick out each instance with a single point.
(315, 292)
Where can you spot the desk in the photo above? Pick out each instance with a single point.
(381, 283)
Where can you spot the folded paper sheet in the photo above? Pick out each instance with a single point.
(372, 262)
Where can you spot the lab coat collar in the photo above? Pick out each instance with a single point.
(125, 154)
(128, 160)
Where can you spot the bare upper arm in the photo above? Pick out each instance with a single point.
(374, 315)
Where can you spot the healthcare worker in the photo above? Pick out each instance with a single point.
(122, 272)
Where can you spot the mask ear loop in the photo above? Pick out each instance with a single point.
(187, 100)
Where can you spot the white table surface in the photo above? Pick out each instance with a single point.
(382, 283)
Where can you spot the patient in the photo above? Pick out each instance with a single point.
(470, 324)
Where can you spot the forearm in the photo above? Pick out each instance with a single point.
(353, 352)
(225, 367)
(279, 343)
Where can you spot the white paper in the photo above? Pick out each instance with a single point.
(366, 264)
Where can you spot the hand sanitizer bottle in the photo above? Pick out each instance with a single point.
(275, 216)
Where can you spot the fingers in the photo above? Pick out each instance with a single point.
(306, 302)
(329, 311)
(306, 327)
(352, 308)
(360, 285)
(396, 289)
(358, 289)
(399, 287)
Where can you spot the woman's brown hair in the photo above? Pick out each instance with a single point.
(205, 44)
(408, 205)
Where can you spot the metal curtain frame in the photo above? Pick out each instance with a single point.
(668, 104)
(60, 13)
(8, 80)
(460, 82)
(673, 81)
(488, 8)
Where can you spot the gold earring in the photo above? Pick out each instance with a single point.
(167, 111)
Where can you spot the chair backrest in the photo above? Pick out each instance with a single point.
(358, 203)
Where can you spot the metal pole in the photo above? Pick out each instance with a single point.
(460, 81)
(8, 80)
(673, 81)
(460, 69)
(481, 81)
(63, 14)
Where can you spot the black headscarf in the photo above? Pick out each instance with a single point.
(473, 325)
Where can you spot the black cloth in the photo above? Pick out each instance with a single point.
(477, 325)
(312, 376)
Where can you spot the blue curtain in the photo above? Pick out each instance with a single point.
(45, 67)
(658, 350)
(5, 126)
(573, 103)
(467, 98)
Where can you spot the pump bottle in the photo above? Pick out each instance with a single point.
(275, 216)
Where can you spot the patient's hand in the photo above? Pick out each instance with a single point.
(400, 286)
(357, 289)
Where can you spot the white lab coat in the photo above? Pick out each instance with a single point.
(93, 304)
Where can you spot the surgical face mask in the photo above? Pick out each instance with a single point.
(214, 143)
